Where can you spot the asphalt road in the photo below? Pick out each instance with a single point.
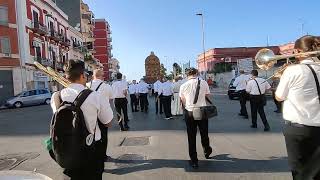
(155, 148)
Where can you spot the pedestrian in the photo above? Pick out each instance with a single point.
(133, 91)
(143, 95)
(240, 83)
(257, 88)
(166, 90)
(97, 84)
(94, 109)
(189, 100)
(210, 83)
(300, 91)
(158, 101)
(274, 85)
(120, 89)
(176, 108)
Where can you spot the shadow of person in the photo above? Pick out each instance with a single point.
(222, 163)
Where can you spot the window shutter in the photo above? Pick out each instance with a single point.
(5, 45)
(3, 15)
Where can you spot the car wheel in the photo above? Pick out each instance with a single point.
(47, 101)
(17, 104)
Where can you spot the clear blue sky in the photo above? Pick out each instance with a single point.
(171, 29)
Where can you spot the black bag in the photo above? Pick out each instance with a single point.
(204, 112)
(263, 97)
(73, 146)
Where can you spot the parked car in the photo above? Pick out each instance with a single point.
(31, 97)
(232, 92)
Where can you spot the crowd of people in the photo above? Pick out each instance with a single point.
(297, 97)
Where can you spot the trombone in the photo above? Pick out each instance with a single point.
(53, 74)
(265, 59)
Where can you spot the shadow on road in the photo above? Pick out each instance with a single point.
(222, 163)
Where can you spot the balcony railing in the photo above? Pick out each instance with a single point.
(39, 28)
(87, 16)
(43, 61)
(65, 41)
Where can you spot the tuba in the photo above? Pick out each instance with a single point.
(265, 59)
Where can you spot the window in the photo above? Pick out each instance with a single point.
(43, 91)
(33, 92)
(3, 15)
(5, 45)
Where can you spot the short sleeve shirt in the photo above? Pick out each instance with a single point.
(188, 91)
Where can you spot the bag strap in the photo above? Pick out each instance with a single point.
(258, 86)
(197, 92)
(82, 97)
(99, 86)
(316, 79)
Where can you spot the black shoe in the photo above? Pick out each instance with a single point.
(277, 111)
(246, 117)
(253, 126)
(161, 112)
(194, 164)
(207, 154)
(241, 114)
(124, 129)
(267, 129)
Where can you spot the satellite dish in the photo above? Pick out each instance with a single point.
(22, 175)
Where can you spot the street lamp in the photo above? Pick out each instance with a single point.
(204, 50)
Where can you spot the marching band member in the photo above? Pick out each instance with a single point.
(133, 91)
(94, 108)
(158, 101)
(166, 90)
(143, 95)
(257, 87)
(300, 91)
(105, 91)
(120, 89)
(187, 94)
(240, 83)
(176, 107)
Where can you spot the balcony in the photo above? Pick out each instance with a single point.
(39, 28)
(43, 61)
(86, 17)
(110, 39)
(54, 35)
(65, 41)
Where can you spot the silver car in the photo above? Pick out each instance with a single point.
(31, 97)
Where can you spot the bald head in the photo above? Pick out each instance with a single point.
(98, 74)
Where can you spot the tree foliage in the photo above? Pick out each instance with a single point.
(222, 67)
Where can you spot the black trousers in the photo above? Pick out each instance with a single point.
(158, 102)
(303, 147)
(167, 105)
(121, 107)
(144, 101)
(93, 171)
(243, 101)
(192, 126)
(133, 102)
(277, 103)
(257, 106)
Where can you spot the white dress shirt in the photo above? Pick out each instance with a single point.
(176, 86)
(166, 89)
(143, 87)
(156, 86)
(298, 89)
(119, 88)
(105, 89)
(241, 82)
(252, 87)
(133, 89)
(188, 91)
(93, 108)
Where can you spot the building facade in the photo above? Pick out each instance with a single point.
(10, 67)
(102, 45)
(76, 50)
(230, 55)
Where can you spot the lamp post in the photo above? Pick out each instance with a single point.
(203, 47)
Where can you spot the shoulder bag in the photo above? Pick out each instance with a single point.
(203, 112)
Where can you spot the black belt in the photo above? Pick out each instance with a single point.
(294, 124)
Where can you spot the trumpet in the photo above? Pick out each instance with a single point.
(265, 59)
